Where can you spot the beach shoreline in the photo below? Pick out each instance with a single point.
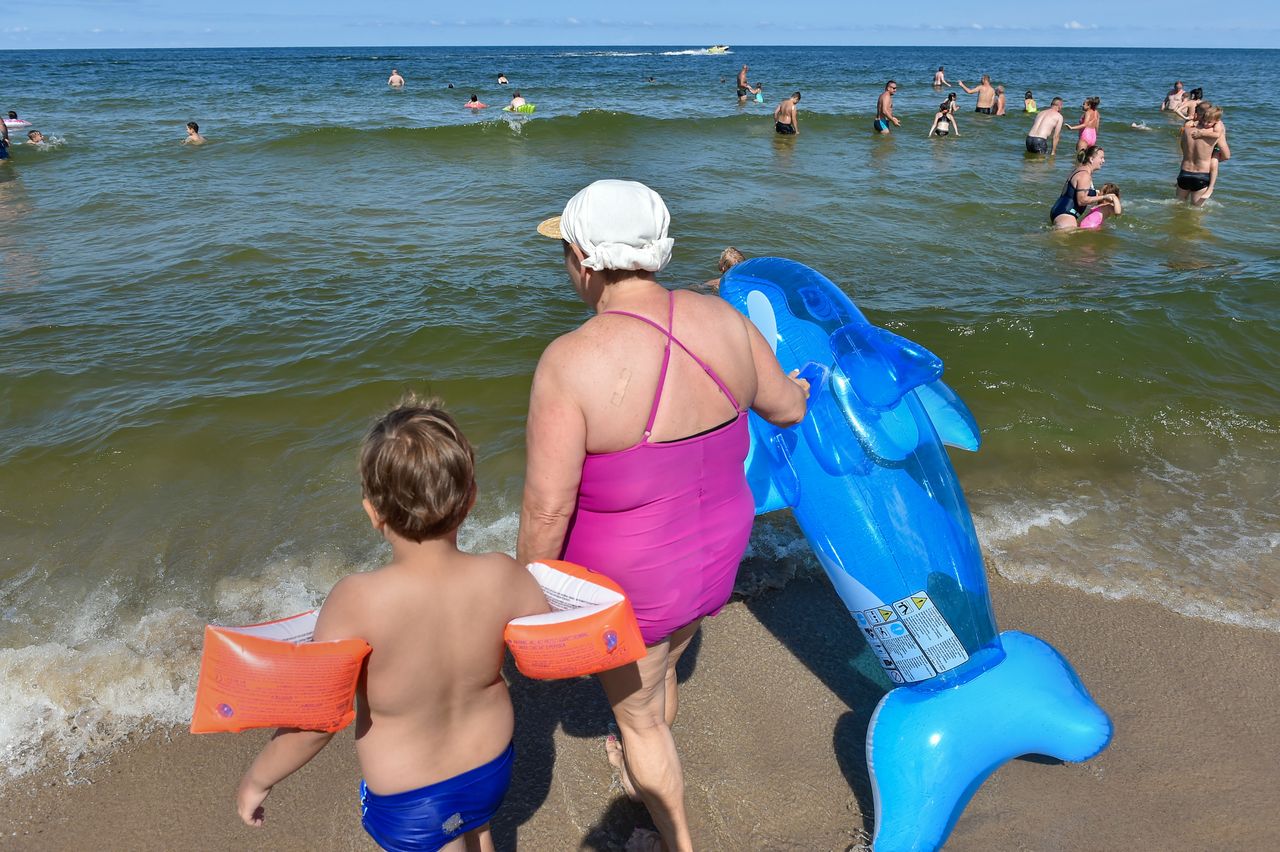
(774, 709)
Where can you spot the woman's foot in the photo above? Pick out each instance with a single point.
(613, 751)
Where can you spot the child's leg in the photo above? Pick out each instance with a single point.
(1213, 176)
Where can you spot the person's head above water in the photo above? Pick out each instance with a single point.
(986, 79)
(475, 99)
(1092, 157)
(939, 67)
(795, 96)
(730, 258)
(417, 471)
(193, 127)
(1110, 189)
(12, 114)
(1028, 94)
(1197, 94)
(613, 227)
(891, 86)
(35, 136)
(945, 106)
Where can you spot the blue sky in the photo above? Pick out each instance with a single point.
(235, 23)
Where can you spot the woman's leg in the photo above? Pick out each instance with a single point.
(638, 695)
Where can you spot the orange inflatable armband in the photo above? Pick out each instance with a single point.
(272, 675)
(591, 627)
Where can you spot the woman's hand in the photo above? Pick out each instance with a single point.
(249, 799)
(794, 376)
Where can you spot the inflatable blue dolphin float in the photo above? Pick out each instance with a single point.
(876, 497)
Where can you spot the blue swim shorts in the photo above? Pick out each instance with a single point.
(425, 819)
(880, 125)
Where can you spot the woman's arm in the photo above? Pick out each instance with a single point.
(556, 440)
(780, 399)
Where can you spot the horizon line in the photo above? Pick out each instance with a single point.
(627, 46)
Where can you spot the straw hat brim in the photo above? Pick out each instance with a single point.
(551, 228)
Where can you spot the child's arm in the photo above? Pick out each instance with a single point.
(291, 749)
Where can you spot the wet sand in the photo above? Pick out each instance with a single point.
(773, 714)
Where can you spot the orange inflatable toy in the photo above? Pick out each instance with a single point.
(272, 675)
(591, 627)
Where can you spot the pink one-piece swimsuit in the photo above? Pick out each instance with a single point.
(667, 521)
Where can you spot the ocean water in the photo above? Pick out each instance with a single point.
(193, 340)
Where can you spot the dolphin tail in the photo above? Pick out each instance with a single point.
(928, 751)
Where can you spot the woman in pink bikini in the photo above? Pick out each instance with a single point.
(637, 434)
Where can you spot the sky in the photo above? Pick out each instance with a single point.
(39, 24)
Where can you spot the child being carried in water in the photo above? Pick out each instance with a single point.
(434, 719)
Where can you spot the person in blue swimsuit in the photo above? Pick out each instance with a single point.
(884, 109)
(1078, 194)
(434, 720)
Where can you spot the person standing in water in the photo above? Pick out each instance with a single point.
(1078, 194)
(1047, 124)
(785, 119)
(1212, 117)
(743, 86)
(1173, 99)
(999, 100)
(4, 141)
(884, 109)
(1029, 103)
(502, 79)
(395, 81)
(944, 123)
(193, 135)
(985, 92)
(1199, 138)
(1090, 120)
(940, 78)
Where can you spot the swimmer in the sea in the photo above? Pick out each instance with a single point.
(474, 103)
(986, 95)
(1108, 205)
(1173, 99)
(884, 109)
(940, 78)
(999, 100)
(502, 79)
(729, 258)
(395, 81)
(35, 137)
(786, 122)
(1047, 124)
(1029, 103)
(517, 101)
(1194, 174)
(193, 135)
(944, 123)
(743, 86)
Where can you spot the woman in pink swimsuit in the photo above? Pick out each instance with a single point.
(637, 434)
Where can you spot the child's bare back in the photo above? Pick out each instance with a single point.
(433, 703)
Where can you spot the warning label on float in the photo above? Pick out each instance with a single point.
(911, 638)
(931, 630)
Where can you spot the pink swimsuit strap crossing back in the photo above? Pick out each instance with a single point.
(668, 521)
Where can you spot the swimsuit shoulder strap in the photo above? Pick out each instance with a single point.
(666, 360)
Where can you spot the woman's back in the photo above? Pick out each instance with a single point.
(620, 380)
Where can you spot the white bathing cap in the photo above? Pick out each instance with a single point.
(618, 224)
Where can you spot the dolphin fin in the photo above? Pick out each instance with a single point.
(951, 417)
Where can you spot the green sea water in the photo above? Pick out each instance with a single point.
(192, 340)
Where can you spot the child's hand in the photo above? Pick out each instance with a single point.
(249, 799)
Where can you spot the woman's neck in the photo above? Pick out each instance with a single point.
(627, 291)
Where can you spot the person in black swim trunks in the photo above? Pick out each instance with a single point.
(1078, 194)
(1198, 141)
(1047, 124)
(986, 95)
(744, 88)
(785, 120)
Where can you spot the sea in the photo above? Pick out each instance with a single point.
(193, 339)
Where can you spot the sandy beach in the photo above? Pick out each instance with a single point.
(771, 727)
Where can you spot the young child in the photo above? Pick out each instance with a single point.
(1029, 103)
(193, 135)
(433, 720)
